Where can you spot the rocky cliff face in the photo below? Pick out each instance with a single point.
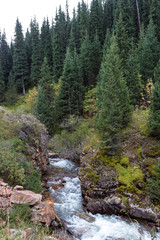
(33, 134)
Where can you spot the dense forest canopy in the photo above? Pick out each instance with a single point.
(113, 45)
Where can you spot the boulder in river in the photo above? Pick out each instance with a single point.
(44, 212)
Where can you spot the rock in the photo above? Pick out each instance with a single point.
(56, 186)
(44, 212)
(2, 222)
(120, 239)
(25, 197)
(53, 155)
(27, 233)
(17, 187)
(143, 213)
(5, 191)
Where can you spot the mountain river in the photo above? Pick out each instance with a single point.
(65, 190)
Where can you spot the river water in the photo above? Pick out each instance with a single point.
(65, 190)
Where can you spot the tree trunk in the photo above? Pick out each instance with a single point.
(138, 16)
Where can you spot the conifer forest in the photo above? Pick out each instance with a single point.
(93, 81)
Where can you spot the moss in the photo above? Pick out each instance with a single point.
(129, 177)
(124, 160)
(110, 161)
(139, 152)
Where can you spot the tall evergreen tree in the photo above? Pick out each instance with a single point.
(113, 98)
(20, 67)
(154, 120)
(155, 15)
(132, 76)
(36, 57)
(2, 85)
(122, 39)
(96, 20)
(83, 19)
(85, 60)
(46, 43)
(148, 52)
(44, 109)
(108, 16)
(71, 91)
(128, 10)
(28, 46)
(59, 44)
(5, 56)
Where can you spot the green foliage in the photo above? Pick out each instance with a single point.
(33, 181)
(154, 184)
(20, 66)
(21, 213)
(71, 90)
(129, 177)
(2, 85)
(36, 57)
(113, 98)
(44, 109)
(10, 166)
(154, 119)
(89, 103)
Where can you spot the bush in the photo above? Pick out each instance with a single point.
(154, 184)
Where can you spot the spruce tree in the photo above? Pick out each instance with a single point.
(154, 120)
(71, 90)
(36, 57)
(20, 66)
(83, 19)
(2, 85)
(96, 20)
(122, 39)
(45, 104)
(5, 56)
(46, 43)
(11, 94)
(148, 52)
(85, 61)
(59, 44)
(28, 46)
(132, 76)
(114, 107)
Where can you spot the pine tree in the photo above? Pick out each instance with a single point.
(154, 120)
(2, 85)
(75, 33)
(11, 94)
(83, 19)
(96, 20)
(132, 76)
(36, 58)
(148, 52)
(71, 91)
(108, 16)
(59, 44)
(44, 109)
(5, 56)
(96, 55)
(28, 46)
(128, 10)
(46, 43)
(122, 39)
(20, 67)
(85, 61)
(155, 15)
(113, 98)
